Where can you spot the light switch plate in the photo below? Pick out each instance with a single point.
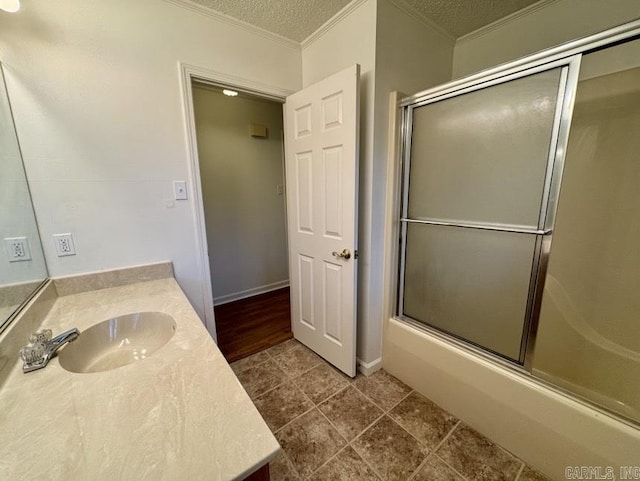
(180, 190)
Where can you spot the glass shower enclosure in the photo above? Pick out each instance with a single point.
(519, 221)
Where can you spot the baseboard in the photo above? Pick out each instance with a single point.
(236, 296)
(368, 368)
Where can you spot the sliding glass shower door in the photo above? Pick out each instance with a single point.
(480, 168)
(588, 339)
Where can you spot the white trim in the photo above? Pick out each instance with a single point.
(202, 255)
(392, 209)
(188, 73)
(221, 17)
(505, 20)
(255, 291)
(414, 14)
(368, 368)
(332, 22)
(252, 86)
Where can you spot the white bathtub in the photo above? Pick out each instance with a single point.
(545, 428)
(571, 354)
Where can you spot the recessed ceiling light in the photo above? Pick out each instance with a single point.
(230, 93)
(10, 5)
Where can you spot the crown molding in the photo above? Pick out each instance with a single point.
(221, 17)
(332, 22)
(506, 20)
(411, 12)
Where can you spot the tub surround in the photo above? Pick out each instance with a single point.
(179, 414)
(547, 430)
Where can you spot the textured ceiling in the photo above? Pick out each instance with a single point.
(459, 17)
(297, 19)
(294, 19)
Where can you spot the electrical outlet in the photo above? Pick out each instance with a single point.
(17, 249)
(64, 245)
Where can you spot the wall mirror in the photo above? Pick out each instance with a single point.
(22, 262)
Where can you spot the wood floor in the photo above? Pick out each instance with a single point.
(250, 325)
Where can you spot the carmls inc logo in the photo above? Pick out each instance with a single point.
(602, 473)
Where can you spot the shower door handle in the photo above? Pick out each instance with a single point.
(497, 228)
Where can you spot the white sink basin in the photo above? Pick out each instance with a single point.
(117, 342)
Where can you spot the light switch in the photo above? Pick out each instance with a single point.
(180, 190)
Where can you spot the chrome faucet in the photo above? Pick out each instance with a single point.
(42, 348)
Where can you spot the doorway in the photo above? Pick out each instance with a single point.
(322, 133)
(241, 170)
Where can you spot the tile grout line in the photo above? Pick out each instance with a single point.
(305, 395)
(339, 433)
(431, 453)
(419, 468)
(328, 461)
(272, 387)
(250, 367)
(279, 366)
(520, 471)
(451, 467)
(367, 428)
(349, 443)
(333, 395)
(295, 470)
(364, 431)
(376, 404)
(294, 419)
(396, 404)
(315, 406)
(269, 357)
(410, 434)
(324, 399)
(435, 451)
(439, 445)
(373, 470)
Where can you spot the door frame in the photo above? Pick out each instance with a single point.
(188, 74)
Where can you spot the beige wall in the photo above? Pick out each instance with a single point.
(546, 429)
(239, 174)
(95, 87)
(558, 22)
(411, 55)
(395, 52)
(349, 41)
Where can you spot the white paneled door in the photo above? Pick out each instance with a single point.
(321, 159)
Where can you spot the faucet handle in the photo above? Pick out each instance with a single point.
(41, 336)
(32, 353)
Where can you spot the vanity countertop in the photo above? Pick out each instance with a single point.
(180, 414)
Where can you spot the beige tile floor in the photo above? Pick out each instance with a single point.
(370, 428)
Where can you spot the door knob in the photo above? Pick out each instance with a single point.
(345, 254)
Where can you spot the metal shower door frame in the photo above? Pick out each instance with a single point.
(570, 67)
